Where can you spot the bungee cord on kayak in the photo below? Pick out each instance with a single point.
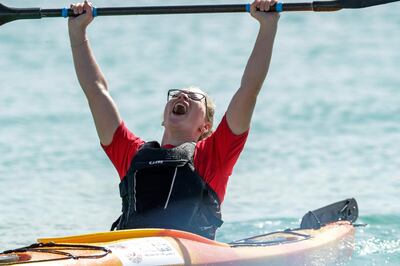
(59, 250)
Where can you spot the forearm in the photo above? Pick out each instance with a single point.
(260, 58)
(87, 70)
(94, 85)
(241, 107)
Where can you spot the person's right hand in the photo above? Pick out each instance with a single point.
(259, 10)
(77, 25)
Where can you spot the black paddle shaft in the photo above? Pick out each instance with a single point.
(363, 3)
(8, 14)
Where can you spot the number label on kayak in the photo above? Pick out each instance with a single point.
(146, 251)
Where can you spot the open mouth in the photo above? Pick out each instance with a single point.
(179, 109)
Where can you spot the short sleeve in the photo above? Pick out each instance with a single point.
(216, 156)
(122, 149)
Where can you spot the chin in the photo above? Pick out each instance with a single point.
(177, 121)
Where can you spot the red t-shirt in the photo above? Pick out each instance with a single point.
(214, 157)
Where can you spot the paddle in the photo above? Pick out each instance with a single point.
(8, 14)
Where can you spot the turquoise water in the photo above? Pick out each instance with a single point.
(326, 126)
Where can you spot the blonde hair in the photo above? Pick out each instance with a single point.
(209, 116)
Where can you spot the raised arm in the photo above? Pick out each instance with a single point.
(241, 107)
(104, 111)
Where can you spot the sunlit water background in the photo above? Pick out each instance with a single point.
(326, 126)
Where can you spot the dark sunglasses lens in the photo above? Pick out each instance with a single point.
(173, 94)
(196, 96)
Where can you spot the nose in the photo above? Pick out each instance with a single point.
(184, 96)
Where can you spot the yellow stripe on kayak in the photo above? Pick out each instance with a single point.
(103, 237)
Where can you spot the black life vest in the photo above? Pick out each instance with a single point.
(163, 190)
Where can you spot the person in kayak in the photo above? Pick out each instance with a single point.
(179, 183)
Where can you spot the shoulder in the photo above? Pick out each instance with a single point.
(222, 135)
(123, 148)
(123, 134)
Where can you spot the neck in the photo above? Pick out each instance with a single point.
(177, 138)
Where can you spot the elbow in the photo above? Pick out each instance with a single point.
(252, 85)
(250, 90)
(101, 85)
(97, 88)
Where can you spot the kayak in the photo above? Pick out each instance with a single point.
(331, 243)
(171, 247)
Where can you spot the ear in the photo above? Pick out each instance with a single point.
(205, 128)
